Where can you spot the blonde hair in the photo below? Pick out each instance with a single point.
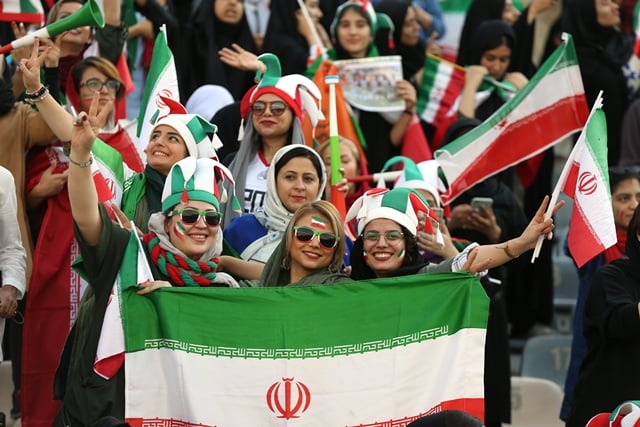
(346, 142)
(327, 210)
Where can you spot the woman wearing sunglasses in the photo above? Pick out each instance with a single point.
(272, 111)
(311, 251)
(181, 247)
(296, 176)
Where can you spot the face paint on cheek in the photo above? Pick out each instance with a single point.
(365, 256)
(401, 253)
(179, 230)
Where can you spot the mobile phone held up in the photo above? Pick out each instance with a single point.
(481, 202)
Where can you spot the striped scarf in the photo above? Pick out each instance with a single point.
(180, 270)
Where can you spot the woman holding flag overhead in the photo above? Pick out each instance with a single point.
(180, 249)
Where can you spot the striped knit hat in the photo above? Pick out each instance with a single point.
(195, 179)
(399, 204)
(427, 175)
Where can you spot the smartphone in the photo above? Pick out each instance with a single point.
(439, 212)
(481, 202)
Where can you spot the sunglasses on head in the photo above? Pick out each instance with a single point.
(191, 216)
(277, 108)
(389, 236)
(306, 234)
(96, 85)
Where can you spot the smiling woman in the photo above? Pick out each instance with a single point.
(181, 249)
(312, 249)
(296, 176)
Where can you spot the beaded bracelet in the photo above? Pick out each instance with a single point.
(36, 96)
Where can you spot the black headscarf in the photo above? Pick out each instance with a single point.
(489, 35)
(412, 56)
(580, 20)
(633, 245)
(478, 12)
(196, 52)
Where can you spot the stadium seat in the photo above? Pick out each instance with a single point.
(547, 356)
(535, 402)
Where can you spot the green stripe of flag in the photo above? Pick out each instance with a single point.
(597, 143)
(326, 319)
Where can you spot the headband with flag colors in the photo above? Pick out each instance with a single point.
(427, 175)
(377, 21)
(299, 92)
(399, 204)
(195, 179)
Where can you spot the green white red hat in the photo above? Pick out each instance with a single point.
(401, 205)
(193, 129)
(426, 175)
(377, 21)
(195, 179)
(298, 91)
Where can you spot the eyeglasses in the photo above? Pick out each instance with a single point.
(277, 108)
(191, 216)
(389, 236)
(306, 234)
(96, 85)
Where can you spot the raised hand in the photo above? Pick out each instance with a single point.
(30, 67)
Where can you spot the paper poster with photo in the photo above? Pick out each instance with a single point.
(369, 83)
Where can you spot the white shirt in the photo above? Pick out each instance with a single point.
(12, 255)
(255, 187)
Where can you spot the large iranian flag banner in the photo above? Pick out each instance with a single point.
(548, 109)
(378, 353)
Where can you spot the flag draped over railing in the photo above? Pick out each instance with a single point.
(376, 353)
(548, 109)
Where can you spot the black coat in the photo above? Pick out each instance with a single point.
(609, 374)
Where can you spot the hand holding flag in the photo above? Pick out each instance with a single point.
(585, 179)
(337, 197)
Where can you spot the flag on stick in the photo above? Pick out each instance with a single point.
(585, 179)
(162, 81)
(549, 108)
(304, 356)
(442, 82)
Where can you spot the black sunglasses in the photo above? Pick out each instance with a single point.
(277, 108)
(191, 216)
(306, 234)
